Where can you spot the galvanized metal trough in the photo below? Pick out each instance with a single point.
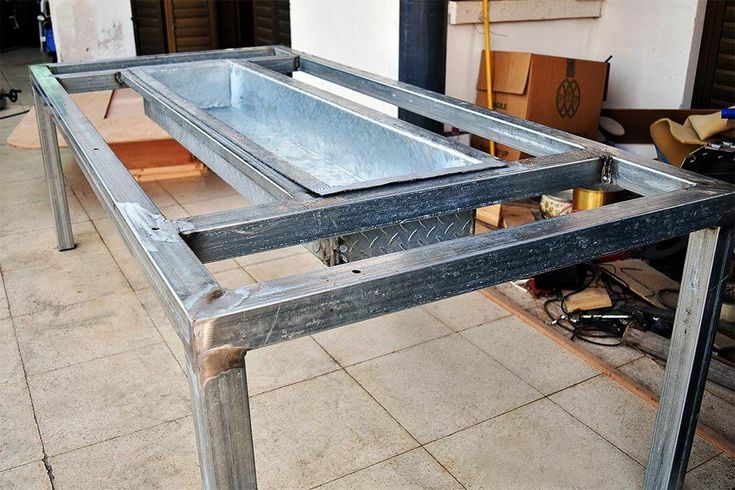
(363, 185)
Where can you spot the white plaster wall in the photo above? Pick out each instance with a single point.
(92, 29)
(654, 44)
(358, 33)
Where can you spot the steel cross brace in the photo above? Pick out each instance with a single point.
(218, 326)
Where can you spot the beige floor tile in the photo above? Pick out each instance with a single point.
(96, 400)
(37, 248)
(170, 336)
(66, 335)
(415, 469)
(123, 257)
(535, 358)
(192, 189)
(27, 192)
(89, 201)
(69, 280)
(73, 175)
(382, 335)
(31, 476)
(7, 126)
(20, 165)
(270, 255)
(442, 386)
(466, 311)
(222, 265)
(11, 368)
(215, 203)
(715, 412)
(19, 218)
(233, 278)
(19, 441)
(620, 417)
(4, 309)
(318, 430)
(174, 212)
(158, 194)
(284, 267)
(286, 363)
(160, 457)
(536, 446)
(718, 473)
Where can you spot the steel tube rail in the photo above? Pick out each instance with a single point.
(218, 326)
(632, 171)
(168, 263)
(291, 307)
(109, 80)
(161, 59)
(228, 234)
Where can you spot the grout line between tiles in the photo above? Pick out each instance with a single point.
(121, 435)
(393, 351)
(366, 467)
(692, 468)
(92, 359)
(467, 328)
(600, 435)
(513, 372)
(271, 390)
(15, 467)
(389, 414)
(45, 459)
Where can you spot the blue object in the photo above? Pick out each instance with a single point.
(50, 43)
(727, 113)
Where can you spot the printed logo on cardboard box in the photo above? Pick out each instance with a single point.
(569, 94)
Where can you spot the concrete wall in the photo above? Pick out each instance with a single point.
(92, 29)
(654, 44)
(358, 33)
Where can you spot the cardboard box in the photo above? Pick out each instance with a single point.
(562, 93)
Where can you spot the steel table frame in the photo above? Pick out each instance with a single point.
(218, 326)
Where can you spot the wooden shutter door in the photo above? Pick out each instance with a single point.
(714, 85)
(271, 22)
(149, 27)
(191, 25)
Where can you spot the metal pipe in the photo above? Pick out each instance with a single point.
(54, 174)
(706, 269)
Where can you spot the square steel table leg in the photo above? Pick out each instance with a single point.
(54, 173)
(697, 315)
(222, 422)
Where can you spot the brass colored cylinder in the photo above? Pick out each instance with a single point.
(593, 198)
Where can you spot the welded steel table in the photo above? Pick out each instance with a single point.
(362, 185)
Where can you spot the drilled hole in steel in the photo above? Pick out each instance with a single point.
(356, 271)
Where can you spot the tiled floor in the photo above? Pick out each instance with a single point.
(451, 395)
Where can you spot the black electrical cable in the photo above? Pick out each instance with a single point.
(593, 331)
